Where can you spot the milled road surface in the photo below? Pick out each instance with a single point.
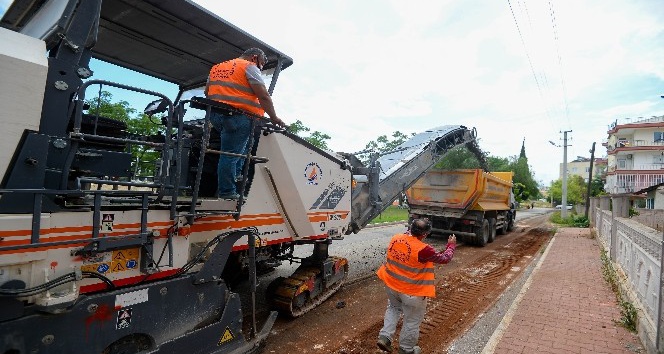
(466, 288)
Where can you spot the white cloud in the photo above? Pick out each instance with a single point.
(367, 68)
(363, 69)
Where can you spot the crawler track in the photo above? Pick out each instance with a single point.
(289, 297)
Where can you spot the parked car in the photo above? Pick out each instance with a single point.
(559, 206)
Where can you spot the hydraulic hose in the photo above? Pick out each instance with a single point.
(64, 279)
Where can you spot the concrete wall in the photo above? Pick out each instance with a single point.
(653, 218)
(636, 253)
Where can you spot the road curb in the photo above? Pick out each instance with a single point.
(389, 223)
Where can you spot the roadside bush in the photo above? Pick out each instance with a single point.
(580, 221)
(571, 220)
(556, 218)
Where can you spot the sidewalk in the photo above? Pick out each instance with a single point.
(565, 306)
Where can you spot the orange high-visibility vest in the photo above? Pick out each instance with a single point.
(228, 83)
(403, 272)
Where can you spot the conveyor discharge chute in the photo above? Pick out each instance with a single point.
(387, 176)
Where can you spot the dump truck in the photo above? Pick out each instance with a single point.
(472, 204)
(101, 254)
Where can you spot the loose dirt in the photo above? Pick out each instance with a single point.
(349, 321)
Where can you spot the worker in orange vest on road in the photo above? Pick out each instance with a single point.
(238, 82)
(408, 275)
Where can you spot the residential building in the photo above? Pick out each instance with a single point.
(635, 149)
(654, 196)
(581, 165)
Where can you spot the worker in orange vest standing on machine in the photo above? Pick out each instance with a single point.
(238, 83)
(408, 275)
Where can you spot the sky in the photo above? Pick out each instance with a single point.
(512, 69)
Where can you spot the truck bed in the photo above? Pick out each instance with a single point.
(461, 190)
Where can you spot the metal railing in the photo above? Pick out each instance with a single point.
(631, 182)
(637, 120)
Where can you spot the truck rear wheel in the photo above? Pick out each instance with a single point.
(510, 223)
(503, 228)
(492, 230)
(482, 234)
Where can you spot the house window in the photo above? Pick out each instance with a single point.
(574, 169)
(587, 169)
(658, 159)
(659, 137)
(622, 164)
(650, 203)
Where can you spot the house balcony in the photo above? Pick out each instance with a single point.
(652, 168)
(634, 122)
(630, 181)
(635, 145)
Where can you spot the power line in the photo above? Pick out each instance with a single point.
(525, 9)
(530, 62)
(560, 60)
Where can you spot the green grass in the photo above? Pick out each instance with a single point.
(628, 313)
(390, 214)
(574, 220)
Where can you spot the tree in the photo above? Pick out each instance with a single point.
(143, 156)
(498, 164)
(458, 158)
(115, 110)
(297, 127)
(520, 191)
(525, 186)
(316, 138)
(597, 186)
(576, 190)
(523, 175)
(522, 154)
(383, 144)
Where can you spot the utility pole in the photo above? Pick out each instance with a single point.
(590, 178)
(563, 209)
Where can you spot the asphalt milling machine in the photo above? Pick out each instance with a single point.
(96, 257)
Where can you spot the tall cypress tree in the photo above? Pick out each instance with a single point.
(523, 175)
(523, 150)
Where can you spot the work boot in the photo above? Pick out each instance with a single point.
(384, 343)
(416, 350)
